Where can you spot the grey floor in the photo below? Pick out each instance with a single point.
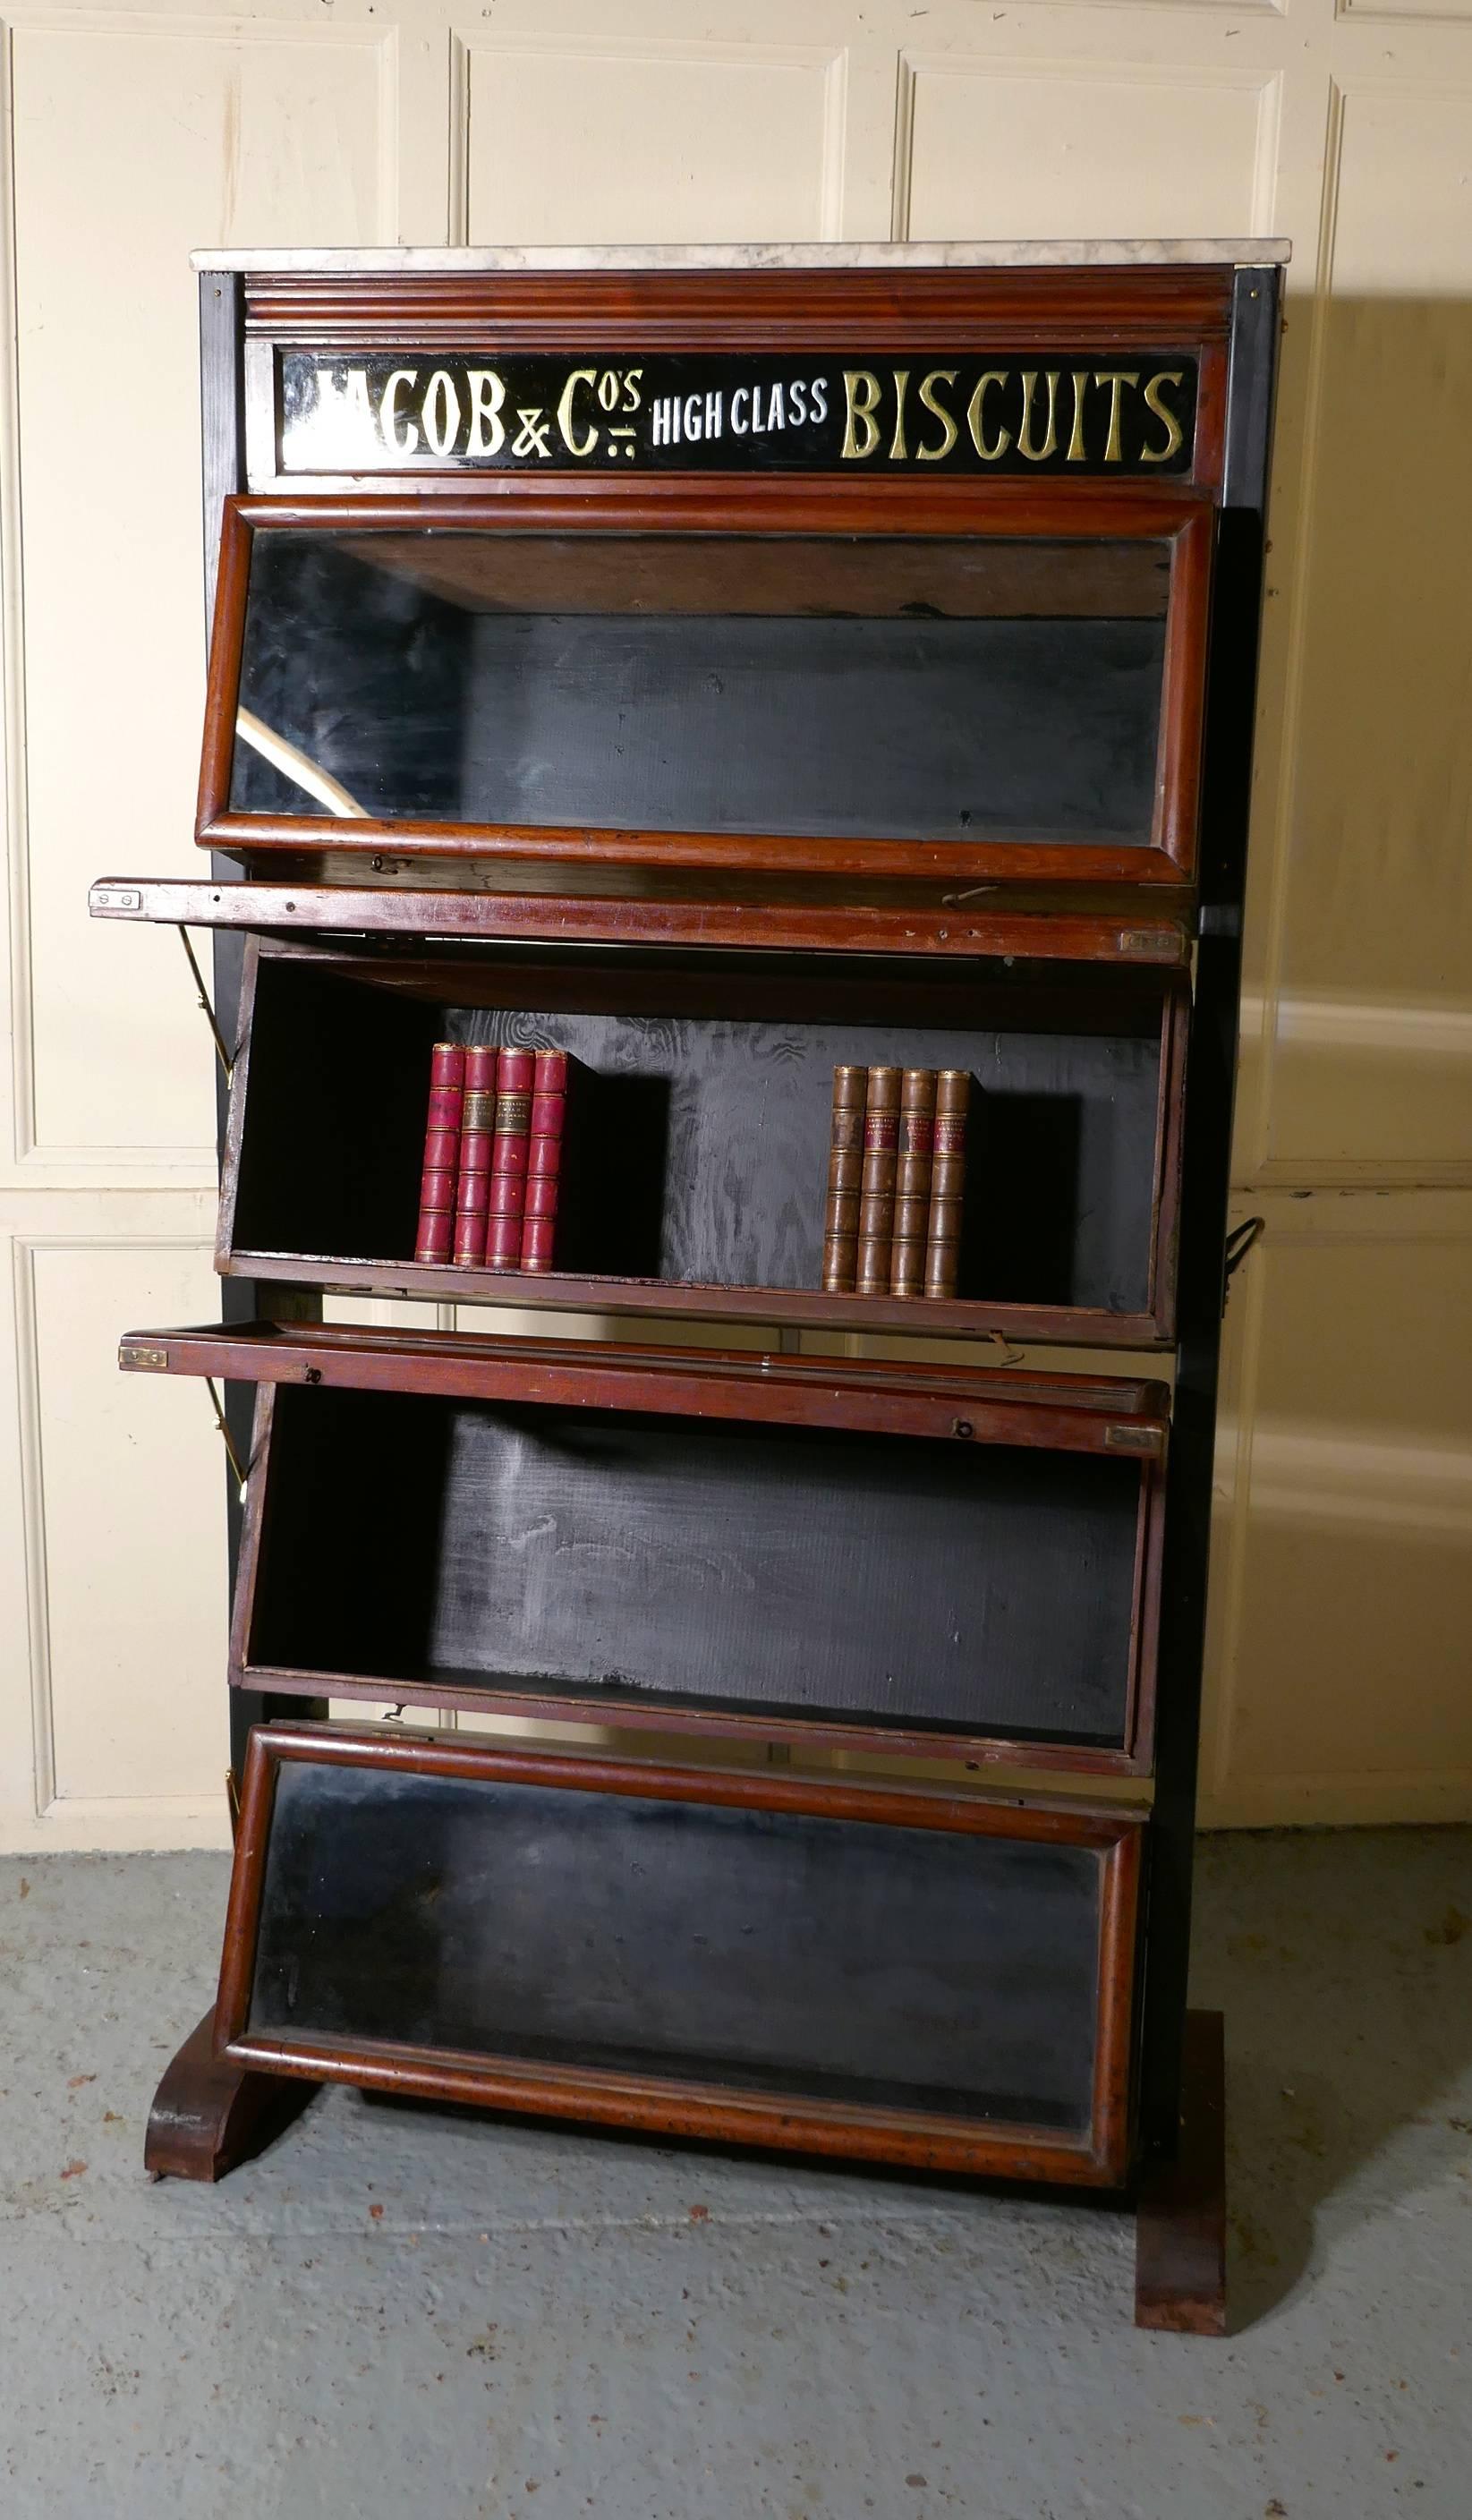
(398, 2312)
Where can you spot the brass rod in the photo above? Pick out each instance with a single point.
(221, 1053)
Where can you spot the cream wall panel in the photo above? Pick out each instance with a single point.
(603, 142)
(1000, 148)
(1368, 1022)
(132, 144)
(1342, 1583)
(124, 1577)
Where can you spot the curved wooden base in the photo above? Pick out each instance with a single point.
(209, 2115)
(1181, 2204)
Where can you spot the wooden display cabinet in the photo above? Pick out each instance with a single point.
(723, 673)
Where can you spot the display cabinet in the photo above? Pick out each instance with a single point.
(720, 674)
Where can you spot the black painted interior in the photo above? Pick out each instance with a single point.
(859, 1577)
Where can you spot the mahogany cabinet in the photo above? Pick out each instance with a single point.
(723, 668)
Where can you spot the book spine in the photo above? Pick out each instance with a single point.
(509, 1153)
(948, 1181)
(881, 1130)
(434, 1235)
(472, 1190)
(912, 1188)
(544, 1159)
(840, 1221)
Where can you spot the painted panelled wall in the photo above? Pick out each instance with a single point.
(1342, 1603)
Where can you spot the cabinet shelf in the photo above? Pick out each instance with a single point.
(655, 1539)
(694, 1177)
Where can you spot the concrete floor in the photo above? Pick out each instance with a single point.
(397, 2310)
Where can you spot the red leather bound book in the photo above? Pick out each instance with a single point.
(435, 1232)
(509, 1153)
(472, 1193)
(544, 1162)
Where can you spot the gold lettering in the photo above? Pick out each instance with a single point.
(1154, 405)
(441, 411)
(861, 430)
(938, 411)
(388, 414)
(898, 450)
(1116, 379)
(1076, 447)
(1035, 453)
(487, 395)
(574, 444)
(976, 417)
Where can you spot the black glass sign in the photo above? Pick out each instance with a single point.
(1065, 411)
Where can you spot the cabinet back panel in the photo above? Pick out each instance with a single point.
(763, 1950)
(862, 1577)
(697, 1145)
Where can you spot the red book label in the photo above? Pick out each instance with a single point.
(881, 1130)
(469, 1242)
(507, 1194)
(950, 1133)
(542, 1196)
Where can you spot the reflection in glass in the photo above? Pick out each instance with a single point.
(846, 687)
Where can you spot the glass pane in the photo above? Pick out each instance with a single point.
(843, 687)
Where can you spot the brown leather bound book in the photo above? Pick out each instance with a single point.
(840, 1221)
(434, 1234)
(509, 1153)
(948, 1181)
(881, 1132)
(912, 1188)
(472, 1190)
(544, 1161)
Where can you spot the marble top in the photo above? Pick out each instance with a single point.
(1049, 251)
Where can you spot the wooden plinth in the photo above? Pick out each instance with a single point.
(209, 2115)
(1181, 2205)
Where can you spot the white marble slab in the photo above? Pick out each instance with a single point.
(1093, 252)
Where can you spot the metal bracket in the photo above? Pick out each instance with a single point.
(225, 1435)
(220, 1051)
(1239, 1244)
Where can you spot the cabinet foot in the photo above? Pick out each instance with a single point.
(1181, 2205)
(209, 2115)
